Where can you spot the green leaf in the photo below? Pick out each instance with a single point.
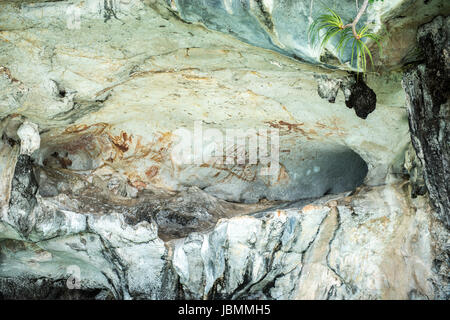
(330, 24)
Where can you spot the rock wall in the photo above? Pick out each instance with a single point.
(374, 244)
(428, 106)
(150, 74)
(282, 25)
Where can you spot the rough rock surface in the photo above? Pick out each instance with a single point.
(280, 25)
(428, 104)
(23, 190)
(104, 209)
(414, 169)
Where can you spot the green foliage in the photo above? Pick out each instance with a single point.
(362, 51)
(332, 25)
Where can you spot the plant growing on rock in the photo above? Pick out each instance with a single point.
(333, 25)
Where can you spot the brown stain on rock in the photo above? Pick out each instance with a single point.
(283, 176)
(152, 171)
(286, 126)
(8, 74)
(310, 207)
(65, 162)
(98, 128)
(123, 153)
(121, 142)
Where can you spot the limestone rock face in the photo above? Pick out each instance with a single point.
(375, 244)
(282, 253)
(282, 25)
(112, 116)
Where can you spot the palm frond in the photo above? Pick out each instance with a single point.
(345, 38)
(330, 24)
(353, 50)
(376, 39)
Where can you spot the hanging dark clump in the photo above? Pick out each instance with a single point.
(361, 98)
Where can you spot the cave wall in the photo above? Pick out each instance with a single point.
(95, 205)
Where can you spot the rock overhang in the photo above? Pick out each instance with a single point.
(122, 87)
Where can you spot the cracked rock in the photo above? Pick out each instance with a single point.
(428, 107)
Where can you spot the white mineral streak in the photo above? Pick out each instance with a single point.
(30, 140)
